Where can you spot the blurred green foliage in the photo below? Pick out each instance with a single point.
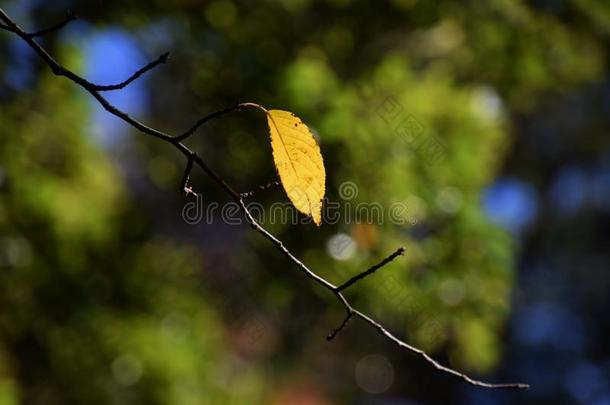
(90, 303)
(106, 296)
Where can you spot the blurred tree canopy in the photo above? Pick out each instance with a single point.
(108, 296)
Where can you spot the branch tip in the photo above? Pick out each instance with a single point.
(336, 331)
(163, 58)
(399, 252)
(184, 187)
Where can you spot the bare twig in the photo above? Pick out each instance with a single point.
(193, 158)
(334, 333)
(59, 70)
(430, 360)
(399, 252)
(70, 16)
(161, 59)
(211, 116)
(184, 187)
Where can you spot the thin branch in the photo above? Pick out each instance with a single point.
(161, 59)
(70, 16)
(184, 187)
(211, 116)
(371, 270)
(430, 360)
(59, 70)
(193, 159)
(280, 245)
(201, 121)
(335, 332)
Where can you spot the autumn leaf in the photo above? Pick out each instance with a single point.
(298, 161)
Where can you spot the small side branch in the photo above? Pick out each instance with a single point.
(70, 16)
(336, 331)
(358, 277)
(203, 120)
(184, 187)
(161, 59)
(211, 116)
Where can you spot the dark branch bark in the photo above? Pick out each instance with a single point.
(184, 188)
(161, 59)
(211, 116)
(193, 158)
(358, 277)
(69, 17)
(335, 332)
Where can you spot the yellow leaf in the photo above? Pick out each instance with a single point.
(298, 161)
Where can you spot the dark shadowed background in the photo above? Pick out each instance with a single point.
(474, 133)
